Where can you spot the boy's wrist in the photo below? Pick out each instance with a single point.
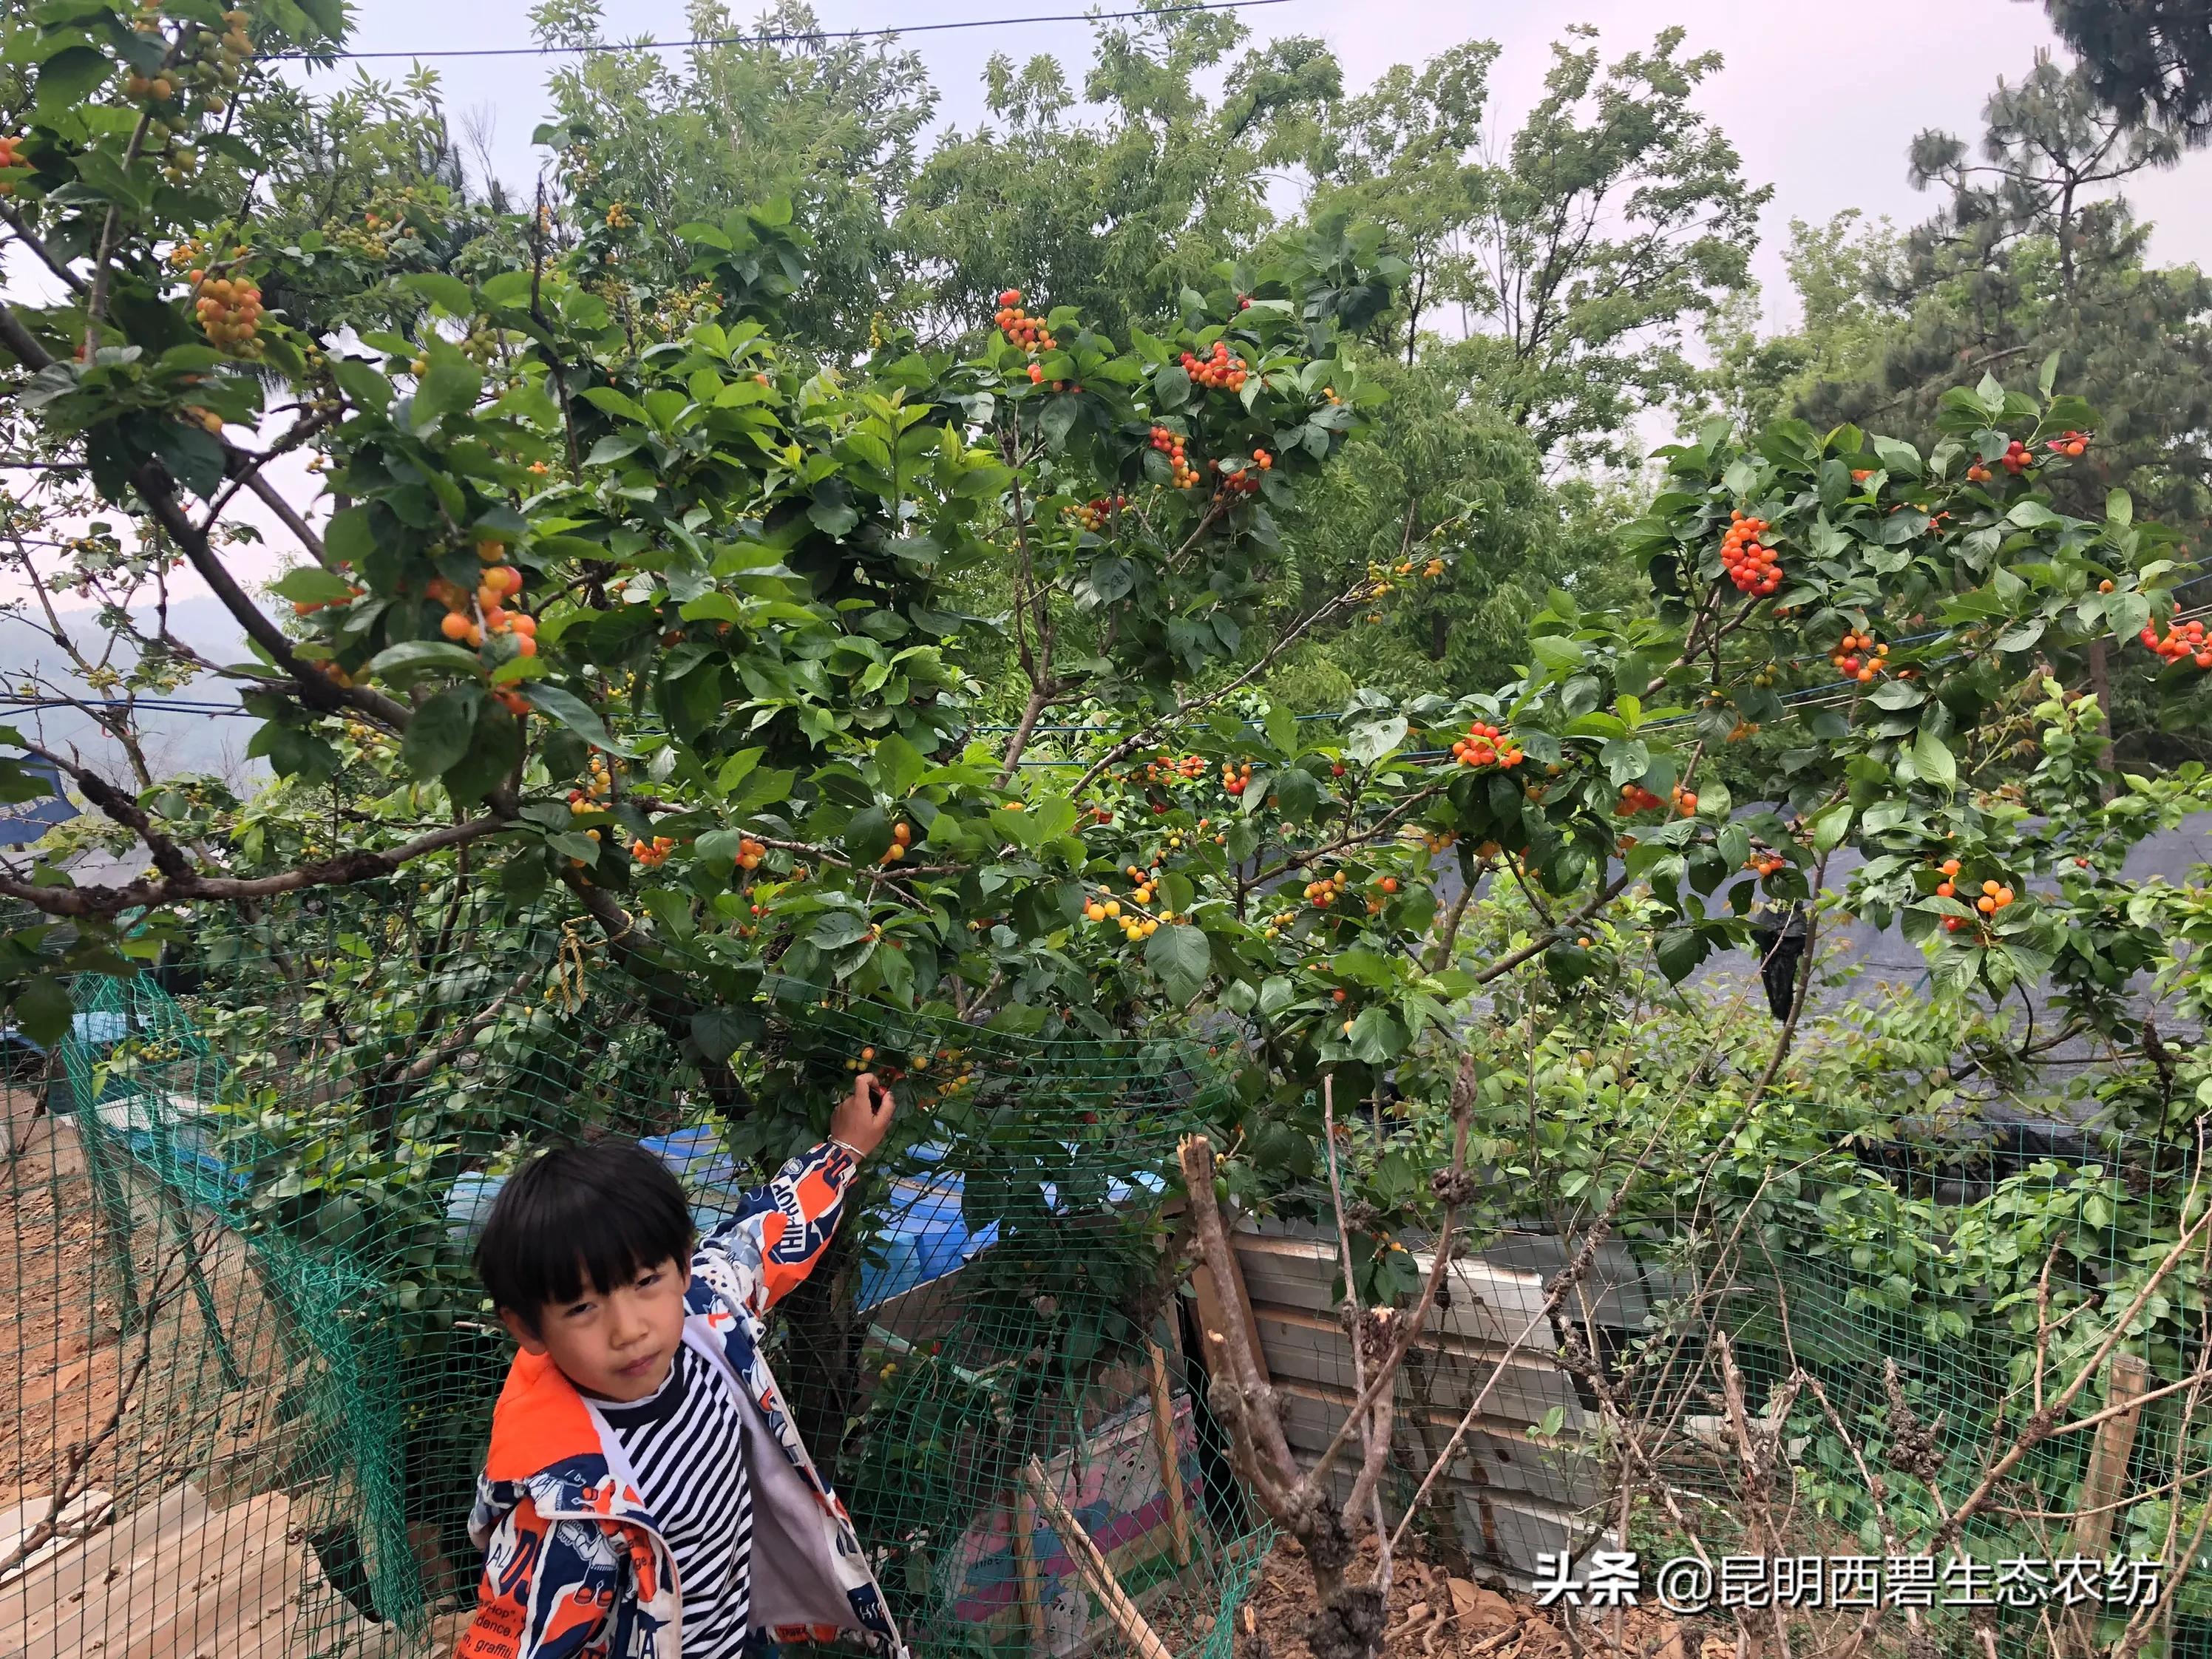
(849, 1150)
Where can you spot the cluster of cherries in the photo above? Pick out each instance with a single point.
(501, 582)
(652, 854)
(11, 157)
(2016, 460)
(1092, 515)
(1856, 657)
(1485, 744)
(1245, 481)
(1635, 798)
(1220, 369)
(1024, 330)
(1995, 895)
(1236, 777)
(1326, 892)
(1166, 769)
(1754, 569)
(2181, 639)
(902, 843)
(750, 853)
(595, 792)
(2069, 443)
(229, 310)
(1170, 444)
(1764, 865)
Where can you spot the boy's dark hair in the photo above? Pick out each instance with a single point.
(598, 1214)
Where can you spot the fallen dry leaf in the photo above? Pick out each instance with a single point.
(1481, 1610)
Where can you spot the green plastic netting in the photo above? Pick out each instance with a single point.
(255, 1369)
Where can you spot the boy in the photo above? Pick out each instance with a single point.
(646, 1494)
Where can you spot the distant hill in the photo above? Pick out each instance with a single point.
(174, 742)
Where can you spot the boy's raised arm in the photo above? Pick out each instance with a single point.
(782, 1229)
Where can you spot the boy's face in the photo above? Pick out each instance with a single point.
(616, 1344)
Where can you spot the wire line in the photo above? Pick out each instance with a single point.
(807, 38)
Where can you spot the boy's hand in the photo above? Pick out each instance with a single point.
(863, 1118)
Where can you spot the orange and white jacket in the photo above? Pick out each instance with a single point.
(575, 1567)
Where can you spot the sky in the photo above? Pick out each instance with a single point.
(1820, 102)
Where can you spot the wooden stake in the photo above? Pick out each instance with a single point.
(1163, 1442)
(1026, 1565)
(2106, 1482)
(1097, 1578)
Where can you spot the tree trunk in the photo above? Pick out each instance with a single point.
(2100, 685)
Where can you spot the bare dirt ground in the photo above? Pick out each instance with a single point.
(1434, 1615)
(113, 1380)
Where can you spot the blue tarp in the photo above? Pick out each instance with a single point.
(924, 1236)
(24, 821)
(100, 1029)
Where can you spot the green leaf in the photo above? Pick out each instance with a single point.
(42, 1008)
(2128, 614)
(1180, 955)
(579, 716)
(507, 287)
(400, 665)
(898, 764)
(2119, 507)
(615, 403)
(1371, 739)
(494, 750)
(1297, 795)
(350, 536)
(1377, 1037)
(295, 754)
(438, 734)
(868, 836)
(68, 78)
(310, 584)
(452, 388)
(835, 929)
(1677, 951)
(1556, 653)
(1830, 828)
(1898, 458)
(717, 1032)
(449, 293)
(735, 770)
(1625, 759)
(1933, 762)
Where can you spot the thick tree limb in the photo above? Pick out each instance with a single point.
(344, 870)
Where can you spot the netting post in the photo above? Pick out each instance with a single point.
(1163, 1442)
(2106, 1481)
(116, 1219)
(180, 1221)
(1025, 1567)
(1091, 1567)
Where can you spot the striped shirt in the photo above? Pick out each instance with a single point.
(686, 1448)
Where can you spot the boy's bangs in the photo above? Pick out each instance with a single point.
(579, 1221)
